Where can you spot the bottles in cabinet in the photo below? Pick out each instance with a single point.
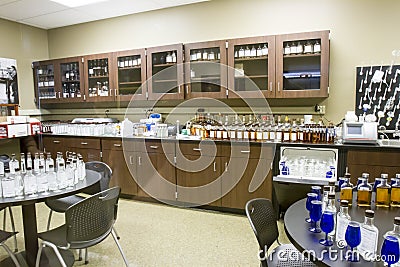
(129, 62)
(302, 47)
(164, 57)
(45, 82)
(98, 78)
(206, 54)
(251, 51)
(71, 85)
(98, 67)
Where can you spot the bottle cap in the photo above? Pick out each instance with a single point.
(397, 175)
(365, 175)
(347, 175)
(331, 183)
(369, 213)
(327, 188)
(28, 168)
(331, 196)
(6, 170)
(17, 169)
(344, 203)
(397, 220)
(384, 175)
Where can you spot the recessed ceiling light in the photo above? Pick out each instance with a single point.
(76, 3)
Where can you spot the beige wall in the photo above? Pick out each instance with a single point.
(362, 31)
(25, 44)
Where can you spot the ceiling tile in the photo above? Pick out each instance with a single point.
(58, 19)
(27, 9)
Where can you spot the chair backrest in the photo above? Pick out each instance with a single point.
(91, 220)
(105, 172)
(262, 217)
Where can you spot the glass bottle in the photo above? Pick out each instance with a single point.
(317, 47)
(28, 160)
(369, 236)
(396, 229)
(83, 168)
(265, 50)
(1, 168)
(331, 207)
(49, 161)
(52, 179)
(300, 48)
(13, 164)
(286, 50)
(241, 52)
(41, 159)
(233, 128)
(8, 183)
(382, 198)
(42, 183)
(293, 132)
(247, 52)
(308, 48)
(30, 183)
(23, 163)
(19, 184)
(225, 132)
(395, 193)
(245, 128)
(253, 51)
(69, 174)
(61, 177)
(59, 160)
(364, 190)
(342, 220)
(325, 192)
(286, 130)
(293, 48)
(346, 189)
(259, 52)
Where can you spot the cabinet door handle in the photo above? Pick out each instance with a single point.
(215, 166)
(84, 143)
(56, 141)
(59, 95)
(187, 89)
(279, 86)
(140, 161)
(245, 151)
(226, 166)
(154, 147)
(130, 160)
(117, 145)
(84, 97)
(270, 86)
(196, 149)
(111, 92)
(115, 92)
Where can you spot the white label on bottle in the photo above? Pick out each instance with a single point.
(279, 136)
(294, 137)
(219, 134)
(91, 71)
(272, 135)
(67, 75)
(293, 49)
(259, 135)
(246, 135)
(369, 242)
(341, 227)
(239, 135)
(241, 53)
(286, 137)
(265, 135)
(317, 48)
(232, 134)
(212, 134)
(225, 135)
(252, 135)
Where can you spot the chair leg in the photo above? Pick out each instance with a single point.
(13, 229)
(60, 258)
(86, 256)
(39, 254)
(4, 219)
(119, 247)
(14, 259)
(49, 220)
(79, 254)
(116, 233)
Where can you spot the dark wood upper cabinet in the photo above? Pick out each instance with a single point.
(71, 80)
(99, 78)
(131, 74)
(165, 72)
(302, 65)
(45, 75)
(205, 69)
(251, 64)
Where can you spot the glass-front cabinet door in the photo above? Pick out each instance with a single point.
(99, 78)
(71, 80)
(165, 72)
(302, 64)
(131, 75)
(205, 69)
(251, 67)
(44, 81)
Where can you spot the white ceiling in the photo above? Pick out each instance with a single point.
(46, 14)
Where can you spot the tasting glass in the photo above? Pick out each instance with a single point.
(390, 250)
(315, 215)
(327, 225)
(353, 239)
(310, 197)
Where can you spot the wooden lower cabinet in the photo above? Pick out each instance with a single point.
(53, 144)
(113, 155)
(373, 162)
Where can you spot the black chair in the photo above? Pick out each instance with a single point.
(262, 217)
(3, 238)
(12, 224)
(87, 223)
(62, 204)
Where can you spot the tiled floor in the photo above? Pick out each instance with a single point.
(160, 235)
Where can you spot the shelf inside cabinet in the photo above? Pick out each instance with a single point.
(45, 75)
(163, 65)
(205, 79)
(129, 83)
(208, 60)
(130, 68)
(303, 55)
(251, 58)
(165, 81)
(74, 81)
(251, 76)
(98, 77)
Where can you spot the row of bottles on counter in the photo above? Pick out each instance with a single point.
(128, 62)
(45, 81)
(98, 67)
(164, 58)
(302, 47)
(71, 90)
(30, 176)
(381, 193)
(262, 128)
(247, 52)
(71, 71)
(206, 54)
(101, 89)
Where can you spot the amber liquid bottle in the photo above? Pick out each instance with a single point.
(383, 193)
(395, 192)
(364, 191)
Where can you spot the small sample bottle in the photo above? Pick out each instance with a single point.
(342, 220)
(396, 229)
(382, 198)
(8, 184)
(346, 189)
(325, 191)
(332, 209)
(395, 194)
(364, 190)
(30, 183)
(369, 236)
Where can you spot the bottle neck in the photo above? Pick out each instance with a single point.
(369, 221)
(396, 229)
(331, 203)
(344, 210)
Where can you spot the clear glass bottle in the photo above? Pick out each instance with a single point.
(364, 191)
(59, 160)
(52, 179)
(241, 52)
(233, 129)
(225, 132)
(308, 48)
(286, 50)
(42, 183)
(36, 163)
(83, 168)
(325, 192)
(317, 47)
(342, 220)
(70, 175)
(61, 177)
(382, 198)
(1, 168)
(331, 207)
(30, 183)
(13, 164)
(300, 48)
(346, 189)
(8, 183)
(369, 236)
(245, 128)
(49, 161)
(265, 50)
(395, 194)
(23, 163)
(396, 229)
(19, 184)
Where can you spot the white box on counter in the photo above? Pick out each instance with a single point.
(13, 130)
(17, 119)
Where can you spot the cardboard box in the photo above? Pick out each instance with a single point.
(34, 128)
(13, 130)
(17, 119)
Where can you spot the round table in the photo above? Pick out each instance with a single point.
(297, 231)
(29, 214)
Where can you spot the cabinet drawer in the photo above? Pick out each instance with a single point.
(208, 148)
(93, 143)
(165, 147)
(380, 158)
(265, 151)
(115, 144)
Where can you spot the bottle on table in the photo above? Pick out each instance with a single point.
(52, 179)
(369, 236)
(42, 183)
(332, 186)
(331, 207)
(346, 189)
(23, 163)
(364, 191)
(49, 161)
(19, 184)
(29, 160)
(61, 177)
(1, 168)
(342, 220)
(395, 193)
(30, 183)
(382, 198)
(395, 232)
(8, 184)
(326, 189)
(36, 163)
(13, 164)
